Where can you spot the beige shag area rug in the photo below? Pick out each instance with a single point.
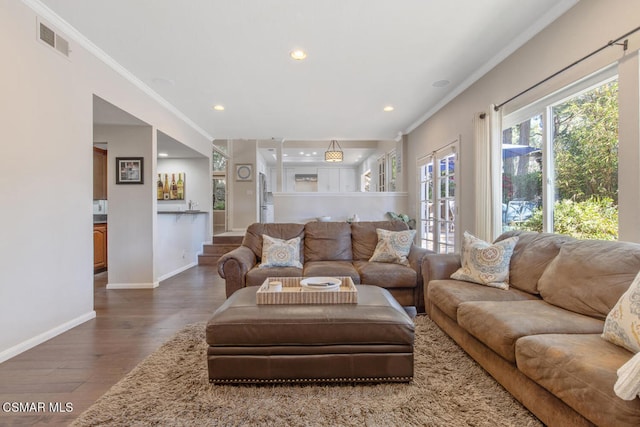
(171, 388)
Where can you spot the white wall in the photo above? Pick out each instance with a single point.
(46, 250)
(180, 236)
(131, 208)
(242, 195)
(586, 27)
(305, 207)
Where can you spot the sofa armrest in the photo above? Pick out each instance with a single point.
(439, 266)
(233, 267)
(436, 267)
(416, 254)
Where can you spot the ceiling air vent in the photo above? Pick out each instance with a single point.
(56, 41)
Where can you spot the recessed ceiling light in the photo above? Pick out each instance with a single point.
(388, 108)
(218, 107)
(298, 54)
(163, 155)
(441, 83)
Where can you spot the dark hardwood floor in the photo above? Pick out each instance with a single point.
(80, 365)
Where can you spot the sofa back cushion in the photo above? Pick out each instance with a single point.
(531, 256)
(327, 241)
(364, 237)
(285, 231)
(589, 276)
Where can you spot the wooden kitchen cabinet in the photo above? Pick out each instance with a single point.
(99, 247)
(99, 174)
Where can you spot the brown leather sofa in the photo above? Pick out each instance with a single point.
(541, 339)
(327, 249)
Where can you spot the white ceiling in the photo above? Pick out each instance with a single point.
(362, 55)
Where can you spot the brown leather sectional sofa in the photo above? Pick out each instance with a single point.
(541, 338)
(327, 249)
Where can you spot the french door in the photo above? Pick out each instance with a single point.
(438, 200)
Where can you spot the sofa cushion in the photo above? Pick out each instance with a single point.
(364, 238)
(533, 252)
(393, 246)
(327, 241)
(257, 276)
(280, 253)
(499, 324)
(331, 268)
(580, 369)
(485, 263)
(622, 326)
(253, 237)
(589, 276)
(386, 275)
(448, 294)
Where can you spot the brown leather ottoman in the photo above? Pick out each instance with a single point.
(371, 341)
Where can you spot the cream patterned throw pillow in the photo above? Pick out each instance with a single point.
(393, 246)
(485, 263)
(280, 253)
(622, 326)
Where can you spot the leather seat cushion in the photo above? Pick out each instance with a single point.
(499, 324)
(386, 275)
(256, 276)
(331, 268)
(448, 294)
(581, 370)
(365, 239)
(327, 241)
(285, 231)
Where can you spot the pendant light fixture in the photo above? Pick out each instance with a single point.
(334, 152)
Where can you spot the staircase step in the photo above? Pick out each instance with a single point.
(220, 246)
(217, 249)
(228, 239)
(204, 259)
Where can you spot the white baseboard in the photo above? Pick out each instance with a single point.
(45, 336)
(132, 285)
(178, 271)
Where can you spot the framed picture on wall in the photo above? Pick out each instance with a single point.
(129, 170)
(244, 172)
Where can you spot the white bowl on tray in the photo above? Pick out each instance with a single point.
(320, 284)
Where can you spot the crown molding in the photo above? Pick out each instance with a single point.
(552, 14)
(54, 19)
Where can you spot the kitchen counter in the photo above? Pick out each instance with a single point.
(99, 219)
(182, 212)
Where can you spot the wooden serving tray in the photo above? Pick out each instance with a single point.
(292, 293)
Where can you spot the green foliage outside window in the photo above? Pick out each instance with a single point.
(586, 145)
(590, 219)
(585, 150)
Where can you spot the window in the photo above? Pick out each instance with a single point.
(219, 176)
(382, 173)
(560, 162)
(387, 171)
(437, 216)
(365, 181)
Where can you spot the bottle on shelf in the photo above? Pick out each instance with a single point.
(165, 188)
(160, 190)
(174, 187)
(180, 185)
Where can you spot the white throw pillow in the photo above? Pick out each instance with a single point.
(393, 246)
(485, 263)
(622, 325)
(280, 253)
